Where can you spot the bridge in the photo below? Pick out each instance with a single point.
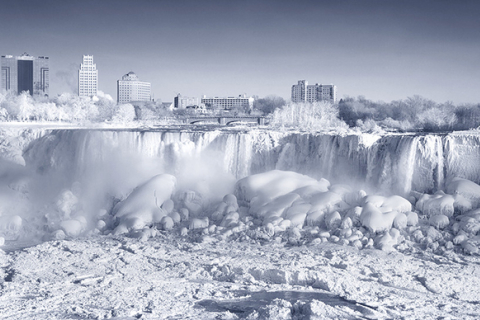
(223, 120)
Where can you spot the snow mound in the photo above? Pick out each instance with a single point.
(144, 205)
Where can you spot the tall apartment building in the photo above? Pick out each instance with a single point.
(303, 92)
(181, 102)
(130, 88)
(229, 102)
(87, 78)
(25, 73)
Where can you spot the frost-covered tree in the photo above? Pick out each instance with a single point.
(308, 116)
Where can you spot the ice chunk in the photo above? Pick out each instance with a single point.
(276, 207)
(375, 220)
(466, 188)
(439, 221)
(142, 206)
(149, 195)
(327, 201)
(439, 203)
(72, 227)
(271, 184)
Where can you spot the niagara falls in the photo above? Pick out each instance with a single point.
(239, 160)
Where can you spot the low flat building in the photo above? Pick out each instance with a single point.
(228, 103)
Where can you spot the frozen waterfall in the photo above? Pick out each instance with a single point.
(399, 163)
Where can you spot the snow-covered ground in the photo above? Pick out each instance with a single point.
(175, 225)
(200, 277)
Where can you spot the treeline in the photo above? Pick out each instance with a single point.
(72, 108)
(412, 114)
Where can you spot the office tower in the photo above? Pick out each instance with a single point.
(25, 73)
(87, 78)
(303, 92)
(130, 88)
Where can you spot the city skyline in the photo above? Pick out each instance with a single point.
(381, 50)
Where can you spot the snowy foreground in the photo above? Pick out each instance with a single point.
(173, 277)
(87, 237)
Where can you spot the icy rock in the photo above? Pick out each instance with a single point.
(412, 218)
(279, 309)
(269, 230)
(433, 234)
(231, 200)
(297, 213)
(469, 248)
(2, 241)
(66, 203)
(354, 198)
(142, 206)
(167, 223)
(354, 215)
(461, 204)
(400, 221)
(438, 203)
(151, 194)
(327, 202)
(193, 201)
(388, 240)
(72, 227)
(357, 244)
(184, 214)
(466, 188)
(271, 184)
(333, 220)
(315, 218)
(168, 206)
(449, 245)
(469, 225)
(344, 233)
(11, 223)
(183, 232)
(375, 220)
(197, 223)
(334, 239)
(276, 207)
(346, 223)
(175, 217)
(158, 214)
(374, 200)
(340, 189)
(439, 221)
(58, 235)
(309, 191)
(460, 239)
(324, 234)
(100, 225)
(418, 235)
(397, 203)
(294, 233)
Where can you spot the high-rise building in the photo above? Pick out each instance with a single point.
(25, 73)
(228, 103)
(87, 78)
(303, 92)
(130, 88)
(181, 102)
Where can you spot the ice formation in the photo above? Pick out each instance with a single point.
(359, 190)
